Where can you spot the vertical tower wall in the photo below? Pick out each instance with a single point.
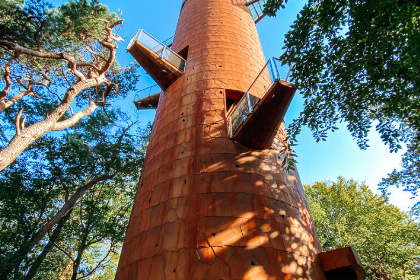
(207, 207)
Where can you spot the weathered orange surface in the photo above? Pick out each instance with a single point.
(341, 263)
(206, 206)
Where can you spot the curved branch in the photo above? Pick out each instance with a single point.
(107, 43)
(20, 142)
(6, 76)
(45, 54)
(75, 118)
(6, 104)
(88, 65)
(17, 121)
(38, 31)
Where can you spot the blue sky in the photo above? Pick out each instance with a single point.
(338, 156)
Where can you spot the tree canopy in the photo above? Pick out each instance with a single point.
(54, 61)
(70, 196)
(357, 62)
(347, 213)
(68, 171)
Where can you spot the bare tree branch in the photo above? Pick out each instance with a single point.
(6, 104)
(17, 121)
(38, 31)
(22, 122)
(51, 121)
(5, 91)
(75, 118)
(88, 65)
(71, 61)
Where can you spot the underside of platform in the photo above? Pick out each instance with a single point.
(260, 127)
(149, 102)
(342, 264)
(161, 70)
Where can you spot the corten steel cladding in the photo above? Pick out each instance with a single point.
(208, 207)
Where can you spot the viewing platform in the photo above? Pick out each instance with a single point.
(254, 121)
(158, 59)
(147, 98)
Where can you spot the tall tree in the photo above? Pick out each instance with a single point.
(357, 62)
(39, 193)
(97, 231)
(347, 213)
(51, 57)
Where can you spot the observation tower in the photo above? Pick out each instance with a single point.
(213, 201)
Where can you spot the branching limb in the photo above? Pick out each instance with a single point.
(71, 61)
(93, 53)
(22, 122)
(64, 72)
(75, 118)
(67, 251)
(107, 43)
(90, 65)
(6, 76)
(38, 31)
(17, 121)
(6, 104)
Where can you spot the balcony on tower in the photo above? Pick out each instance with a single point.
(157, 58)
(147, 98)
(255, 118)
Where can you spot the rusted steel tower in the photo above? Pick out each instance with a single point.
(213, 201)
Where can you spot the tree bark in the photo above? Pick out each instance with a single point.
(28, 135)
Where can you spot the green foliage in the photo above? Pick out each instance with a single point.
(357, 62)
(65, 28)
(27, 198)
(75, 28)
(347, 213)
(39, 183)
(48, 52)
(408, 178)
(19, 21)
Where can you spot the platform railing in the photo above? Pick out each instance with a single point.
(276, 71)
(146, 92)
(163, 50)
(256, 8)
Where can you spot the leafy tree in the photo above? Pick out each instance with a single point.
(88, 169)
(408, 177)
(52, 59)
(357, 62)
(96, 234)
(347, 213)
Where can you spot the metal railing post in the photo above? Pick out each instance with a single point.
(230, 128)
(163, 51)
(272, 71)
(277, 70)
(288, 73)
(248, 103)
